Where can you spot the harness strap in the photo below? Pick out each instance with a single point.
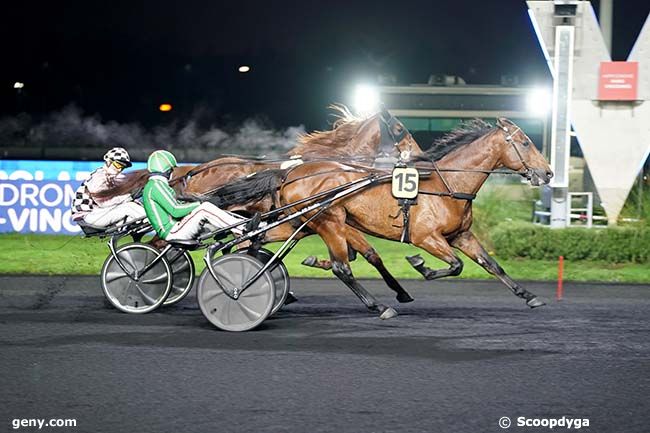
(406, 220)
(284, 183)
(455, 195)
(248, 160)
(444, 181)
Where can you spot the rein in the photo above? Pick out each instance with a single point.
(248, 159)
(389, 140)
(464, 196)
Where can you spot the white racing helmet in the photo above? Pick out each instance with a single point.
(118, 154)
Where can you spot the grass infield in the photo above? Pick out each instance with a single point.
(65, 255)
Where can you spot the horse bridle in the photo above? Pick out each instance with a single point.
(527, 172)
(389, 140)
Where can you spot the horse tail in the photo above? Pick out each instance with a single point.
(247, 190)
(129, 184)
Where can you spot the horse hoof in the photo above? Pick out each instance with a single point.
(415, 260)
(290, 299)
(310, 261)
(388, 313)
(429, 275)
(534, 303)
(403, 298)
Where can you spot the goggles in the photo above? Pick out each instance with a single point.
(119, 165)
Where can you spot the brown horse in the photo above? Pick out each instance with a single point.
(442, 218)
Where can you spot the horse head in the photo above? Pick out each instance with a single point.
(353, 136)
(520, 154)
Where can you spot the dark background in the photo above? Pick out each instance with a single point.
(120, 60)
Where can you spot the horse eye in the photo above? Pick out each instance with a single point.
(526, 143)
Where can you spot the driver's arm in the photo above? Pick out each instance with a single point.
(165, 198)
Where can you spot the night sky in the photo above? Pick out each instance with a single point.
(120, 60)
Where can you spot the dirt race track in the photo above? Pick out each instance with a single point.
(459, 358)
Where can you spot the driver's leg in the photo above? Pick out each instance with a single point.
(207, 215)
(105, 217)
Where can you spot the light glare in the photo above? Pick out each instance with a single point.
(539, 102)
(18, 85)
(366, 99)
(165, 107)
(244, 68)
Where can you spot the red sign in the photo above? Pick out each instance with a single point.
(618, 81)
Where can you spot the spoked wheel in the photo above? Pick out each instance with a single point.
(143, 293)
(183, 271)
(253, 305)
(279, 274)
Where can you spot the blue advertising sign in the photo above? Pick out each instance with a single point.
(35, 196)
(37, 206)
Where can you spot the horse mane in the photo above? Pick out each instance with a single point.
(465, 133)
(333, 142)
(129, 182)
(246, 190)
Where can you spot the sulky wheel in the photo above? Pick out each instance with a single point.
(142, 293)
(253, 305)
(279, 274)
(183, 271)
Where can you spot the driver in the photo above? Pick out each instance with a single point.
(101, 211)
(173, 220)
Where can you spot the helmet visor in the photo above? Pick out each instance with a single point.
(118, 164)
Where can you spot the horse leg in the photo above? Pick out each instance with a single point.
(359, 243)
(326, 264)
(438, 246)
(472, 248)
(333, 236)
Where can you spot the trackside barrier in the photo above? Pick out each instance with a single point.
(581, 213)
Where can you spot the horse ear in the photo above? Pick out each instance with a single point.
(385, 114)
(504, 121)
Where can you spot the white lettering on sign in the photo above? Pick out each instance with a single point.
(58, 195)
(28, 192)
(82, 175)
(49, 219)
(18, 222)
(42, 220)
(25, 175)
(37, 207)
(68, 224)
(6, 188)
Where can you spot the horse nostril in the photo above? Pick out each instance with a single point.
(549, 174)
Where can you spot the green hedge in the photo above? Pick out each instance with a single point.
(614, 245)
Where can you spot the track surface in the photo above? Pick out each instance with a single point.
(460, 357)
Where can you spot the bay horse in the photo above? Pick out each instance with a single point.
(442, 218)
